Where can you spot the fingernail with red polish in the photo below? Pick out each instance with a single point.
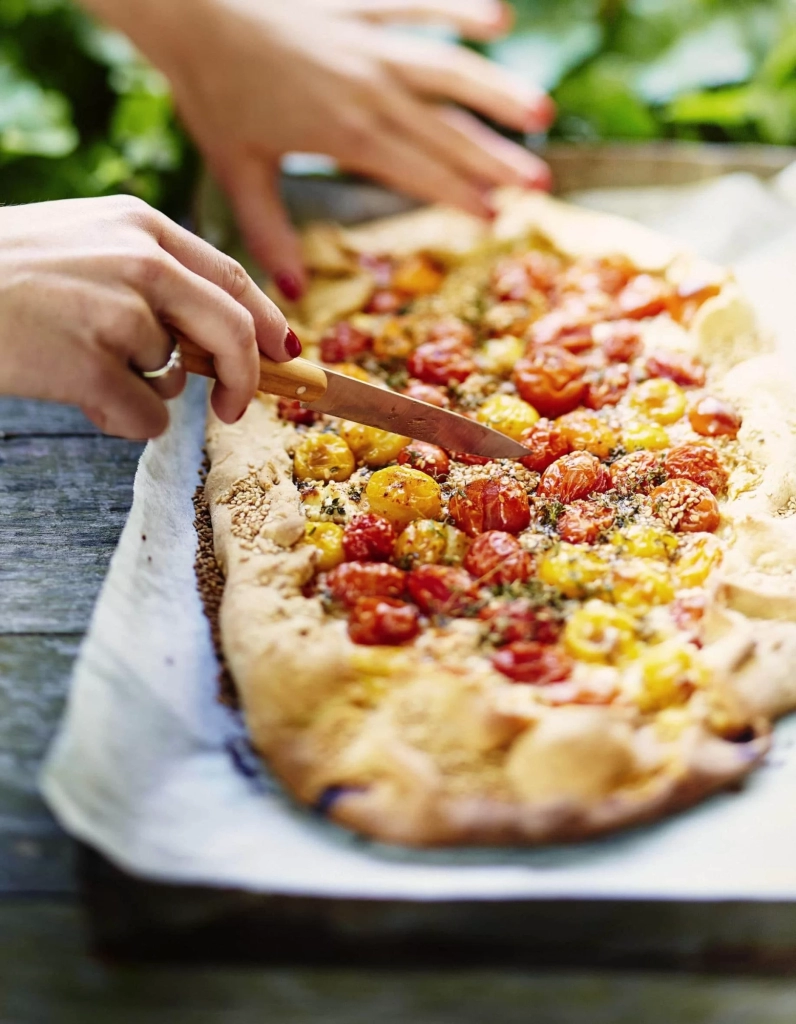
(292, 344)
(289, 285)
(541, 115)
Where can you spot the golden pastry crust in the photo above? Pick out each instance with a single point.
(427, 744)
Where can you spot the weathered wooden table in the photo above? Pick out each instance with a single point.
(64, 493)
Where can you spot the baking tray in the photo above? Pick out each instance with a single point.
(136, 918)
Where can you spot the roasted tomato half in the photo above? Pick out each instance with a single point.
(496, 504)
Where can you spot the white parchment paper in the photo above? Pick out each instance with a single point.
(149, 769)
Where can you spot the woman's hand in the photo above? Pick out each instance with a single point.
(255, 79)
(89, 290)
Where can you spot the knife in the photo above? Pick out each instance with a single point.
(333, 393)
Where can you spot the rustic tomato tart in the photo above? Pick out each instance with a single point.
(433, 648)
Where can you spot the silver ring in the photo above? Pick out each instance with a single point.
(174, 363)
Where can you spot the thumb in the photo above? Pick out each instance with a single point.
(253, 189)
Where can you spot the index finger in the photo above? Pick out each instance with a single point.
(474, 19)
(271, 330)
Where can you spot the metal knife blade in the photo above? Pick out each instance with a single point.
(352, 399)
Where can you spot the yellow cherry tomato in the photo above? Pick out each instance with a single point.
(508, 414)
(323, 457)
(660, 399)
(427, 541)
(697, 561)
(599, 632)
(640, 583)
(586, 431)
(641, 435)
(401, 494)
(500, 355)
(574, 569)
(370, 445)
(327, 539)
(642, 540)
(670, 672)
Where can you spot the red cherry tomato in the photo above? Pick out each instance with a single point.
(471, 460)
(574, 476)
(352, 580)
(699, 463)
(383, 620)
(427, 393)
(368, 538)
(440, 362)
(497, 558)
(386, 300)
(621, 341)
(527, 661)
(511, 281)
(713, 418)
(688, 611)
(500, 504)
(428, 458)
(551, 380)
(379, 267)
(606, 387)
(442, 590)
(565, 328)
(685, 506)
(546, 443)
(689, 297)
(343, 343)
(644, 296)
(637, 473)
(677, 366)
(582, 521)
(452, 329)
(520, 619)
(290, 409)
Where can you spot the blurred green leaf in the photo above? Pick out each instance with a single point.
(542, 57)
(33, 121)
(602, 100)
(713, 55)
(780, 63)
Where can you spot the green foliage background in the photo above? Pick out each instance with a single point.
(82, 115)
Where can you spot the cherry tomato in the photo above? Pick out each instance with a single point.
(637, 473)
(689, 297)
(610, 273)
(496, 558)
(688, 611)
(427, 393)
(574, 476)
(442, 590)
(528, 661)
(342, 343)
(606, 387)
(392, 340)
(586, 431)
(379, 267)
(546, 443)
(500, 504)
(368, 537)
(440, 362)
(520, 619)
(352, 580)
(551, 380)
(685, 506)
(621, 340)
(386, 300)
(565, 328)
(582, 521)
(699, 463)
(713, 418)
(511, 281)
(418, 275)
(290, 409)
(383, 620)
(677, 366)
(471, 460)
(451, 328)
(428, 458)
(644, 296)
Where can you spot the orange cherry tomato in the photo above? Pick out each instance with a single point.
(427, 393)
(528, 661)
(685, 506)
(546, 443)
(583, 521)
(644, 296)
(606, 387)
(499, 504)
(677, 366)
(496, 558)
(574, 476)
(352, 580)
(637, 473)
(551, 380)
(442, 590)
(621, 340)
(440, 362)
(713, 418)
(699, 463)
(383, 620)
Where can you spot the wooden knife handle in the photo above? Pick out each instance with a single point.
(299, 379)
